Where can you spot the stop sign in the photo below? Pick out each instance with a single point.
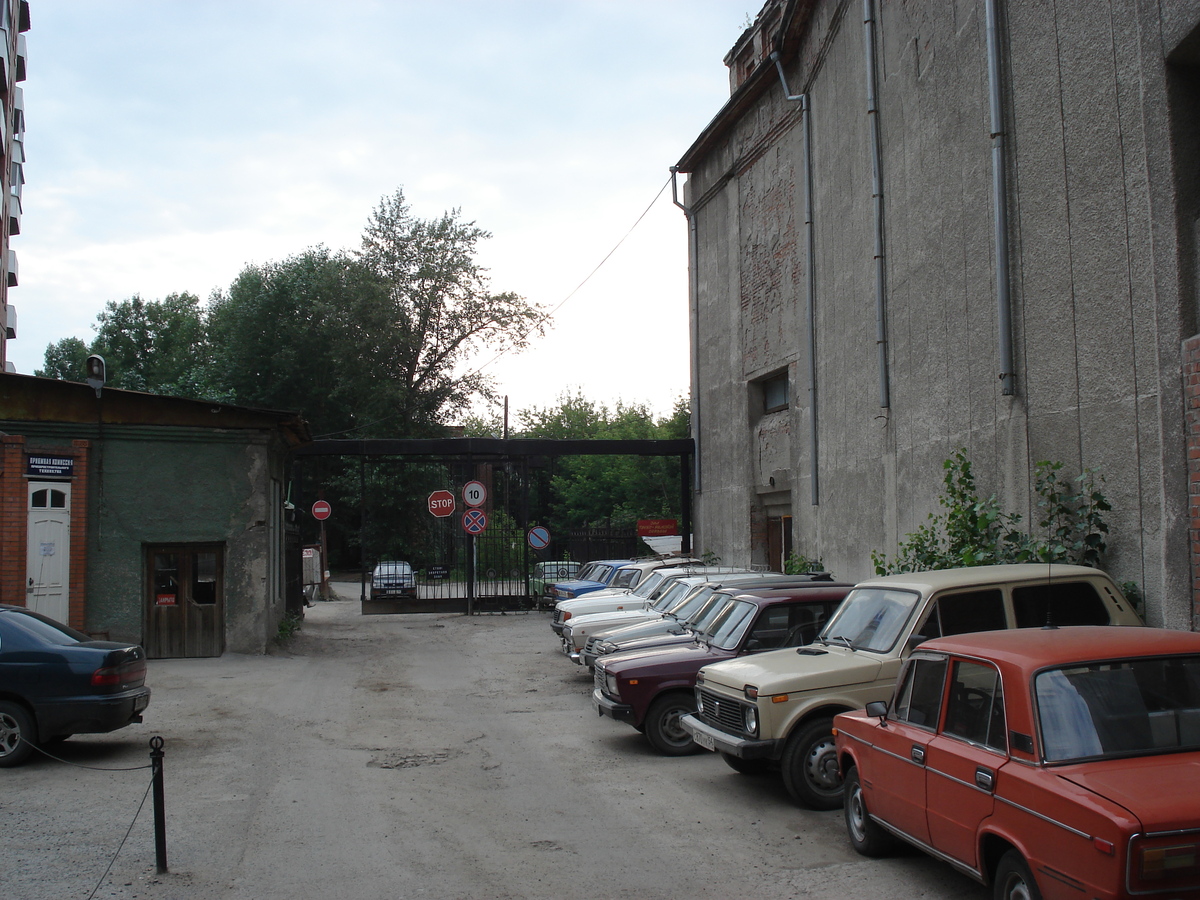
(321, 509)
(441, 503)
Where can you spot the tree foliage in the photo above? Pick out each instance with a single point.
(975, 531)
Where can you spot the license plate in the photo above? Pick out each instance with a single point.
(705, 740)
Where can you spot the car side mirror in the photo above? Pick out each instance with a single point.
(877, 709)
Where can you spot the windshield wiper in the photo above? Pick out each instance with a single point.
(845, 640)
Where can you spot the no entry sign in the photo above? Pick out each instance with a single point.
(441, 503)
(321, 509)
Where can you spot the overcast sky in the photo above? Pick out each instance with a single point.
(170, 143)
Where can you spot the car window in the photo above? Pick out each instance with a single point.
(771, 628)
(918, 699)
(1059, 603)
(624, 578)
(1119, 708)
(44, 630)
(704, 618)
(694, 600)
(975, 707)
(647, 585)
(871, 618)
(806, 622)
(727, 628)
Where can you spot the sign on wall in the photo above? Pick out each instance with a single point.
(49, 466)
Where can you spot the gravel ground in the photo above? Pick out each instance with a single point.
(424, 756)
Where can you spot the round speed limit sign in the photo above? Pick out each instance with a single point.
(474, 493)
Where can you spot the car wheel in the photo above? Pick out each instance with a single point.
(866, 836)
(1014, 881)
(810, 768)
(663, 728)
(746, 766)
(16, 735)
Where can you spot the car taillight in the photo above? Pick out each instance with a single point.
(1164, 863)
(131, 674)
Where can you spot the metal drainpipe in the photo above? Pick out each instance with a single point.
(694, 316)
(877, 196)
(810, 277)
(1004, 343)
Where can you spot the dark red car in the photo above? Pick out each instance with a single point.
(652, 689)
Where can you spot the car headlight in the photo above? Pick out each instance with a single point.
(610, 684)
(751, 718)
(606, 647)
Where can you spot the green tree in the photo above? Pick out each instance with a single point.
(65, 360)
(439, 308)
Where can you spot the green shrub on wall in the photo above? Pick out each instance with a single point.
(977, 532)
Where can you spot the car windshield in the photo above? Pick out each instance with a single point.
(602, 574)
(673, 594)
(730, 625)
(704, 618)
(624, 578)
(870, 619)
(1130, 707)
(44, 630)
(393, 569)
(585, 573)
(647, 586)
(692, 602)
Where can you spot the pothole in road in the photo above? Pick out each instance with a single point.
(401, 759)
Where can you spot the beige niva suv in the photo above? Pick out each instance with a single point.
(776, 709)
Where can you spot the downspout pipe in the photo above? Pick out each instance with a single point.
(810, 278)
(877, 200)
(693, 320)
(1004, 339)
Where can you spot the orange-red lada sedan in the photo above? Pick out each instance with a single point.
(1059, 762)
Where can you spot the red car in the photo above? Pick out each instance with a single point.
(652, 689)
(1048, 763)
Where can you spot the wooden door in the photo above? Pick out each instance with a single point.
(185, 609)
(48, 549)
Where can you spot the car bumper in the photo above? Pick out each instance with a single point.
(568, 649)
(557, 627)
(622, 712)
(90, 714)
(715, 739)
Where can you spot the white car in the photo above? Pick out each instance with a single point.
(575, 633)
(609, 598)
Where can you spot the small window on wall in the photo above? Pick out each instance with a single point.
(775, 393)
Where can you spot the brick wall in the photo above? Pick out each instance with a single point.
(1191, 397)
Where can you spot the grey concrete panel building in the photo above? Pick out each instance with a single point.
(982, 216)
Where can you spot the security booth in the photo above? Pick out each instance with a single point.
(151, 519)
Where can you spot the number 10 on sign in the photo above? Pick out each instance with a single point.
(474, 493)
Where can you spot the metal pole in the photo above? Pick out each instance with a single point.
(160, 815)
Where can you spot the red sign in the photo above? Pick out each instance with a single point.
(441, 503)
(321, 509)
(657, 527)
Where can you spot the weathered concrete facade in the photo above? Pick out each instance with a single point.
(145, 475)
(1099, 110)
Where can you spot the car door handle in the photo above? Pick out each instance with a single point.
(918, 754)
(985, 778)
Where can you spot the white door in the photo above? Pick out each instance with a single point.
(48, 556)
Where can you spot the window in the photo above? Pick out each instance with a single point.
(964, 613)
(1059, 603)
(775, 392)
(919, 698)
(975, 710)
(48, 499)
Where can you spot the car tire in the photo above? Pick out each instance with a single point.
(746, 766)
(809, 765)
(663, 728)
(866, 836)
(17, 736)
(1013, 879)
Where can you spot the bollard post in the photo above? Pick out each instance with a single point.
(160, 816)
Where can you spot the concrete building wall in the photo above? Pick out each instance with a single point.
(1100, 127)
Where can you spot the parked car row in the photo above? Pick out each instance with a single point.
(1040, 739)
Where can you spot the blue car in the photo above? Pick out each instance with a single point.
(598, 574)
(56, 682)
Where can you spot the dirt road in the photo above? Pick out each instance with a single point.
(388, 757)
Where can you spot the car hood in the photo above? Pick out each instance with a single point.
(813, 667)
(590, 623)
(1147, 786)
(662, 639)
(657, 626)
(676, 660)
